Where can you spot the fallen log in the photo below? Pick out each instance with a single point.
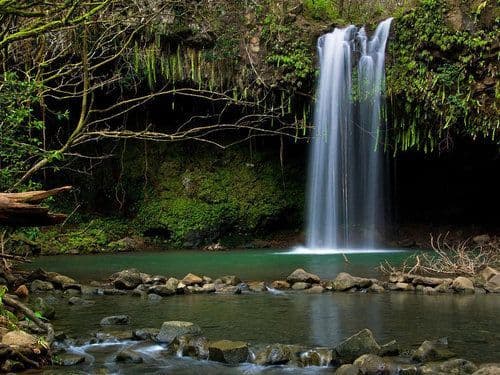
(23, 210)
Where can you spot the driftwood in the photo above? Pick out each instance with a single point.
(23, 210)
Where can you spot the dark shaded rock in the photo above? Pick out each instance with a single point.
(276, 354)
(71, 292)
(300, 286)
(389, 349)
(429, 281)
(113, 292)
(432, 351)
(115, 320)
(128, 356)
(172, 329)
(493, 284)
(146, 334)
(371, 364)
(162, 290)
(300, 275)
(47, 311)
(230, 280)
(357, 345)
(69, 359)
(231, 352)
(126, 279)
(194, 346)
(41, 286)
(348, 370)
(154, 297)
(257, 286)
(10, 366)
(315, 357)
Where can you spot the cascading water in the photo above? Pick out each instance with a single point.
(345, 190)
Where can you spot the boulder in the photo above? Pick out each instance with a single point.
(152, 297)
(146, 334)
(315, 289)
(300, 275)
(69, 359)
(433, 351)
(71, 292)
(19, 338)
(493, 284)
(257, 286)
(376, 288)
(231, 352)
(41, 286)
(115, 320)
(300, 285)
(230, 280)
(403, 287)
(172, 329)
(207, 280)
(280, 285)
(276, 354)
(128, 356)
(194, 346)
(22, 291)
(389, 349)
(172, 283)
(344, 281)
(357, 345)
(429, 281)
(77, 301)
(488, 369)
(487, 273)
(208, 288)
(192, 279)
(227, 289)
(445, 287)
(48, 311)
(458, 367)
(59, 280)
(162, 290)
(112, 292)
(348, 370)
(315, 357)
(126, 279)
(371, 364)
(463, 285)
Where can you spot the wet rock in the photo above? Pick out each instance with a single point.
(41, 286)
(429, 281)
(389, 349)
(172, 283)
(128, 356)
(115, 320)
(228, 289)
(172, 329)
(208, 288)
(181, 288)
(207, 280)
(161, 290)
(488, 369)
(493, 284)
(280, 285)
(231, 352)
(22, 291)
(19, 338)
(300, 286)
(371, 364)
(348, 370)
(315, 357)
(76, 287)
(47, 311)
(357, 345)
(113, 335)
(463, 285)
(146, 334)
(157, 279)
(126, 279)
(345, 281)
(433, 351)
(113, 292)
(300, 275)
(399, 277)
(429, 291)
(402, 287)
(69, 359)
(458, 367)
(194, 346)
(257, 286)
(152, 297)
(139, 293)
(230, 280)
(445, 287)
(60, 280)
(192, 279)
(71, 292)
(315, 289)
(376, 288)
(276, 354)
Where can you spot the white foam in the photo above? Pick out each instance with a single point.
(321, 251)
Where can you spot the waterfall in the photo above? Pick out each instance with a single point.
(346, 185)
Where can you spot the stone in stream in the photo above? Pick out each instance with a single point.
(453, 366)
(152, 297)
(69, 359)
(230, 352)
(389, 349)
(115, 320)
(128, 356)
(488, 369)
(146, 334)
(429, 281)
(463, 285)
(345, 281)
(126, 279)
(172, 329)
(41, 286)
(376, 288)
(162, 290)
(172, 283)
(227, 289)
(300, 286)
(435, 350)
(194, 346)
(315, 357)
(192, 279)
(493, 284)
(300, 275)
(19, 338)
(276, 354)
(48, 311)
(230, 280)
(59, 280)
(209, 288)
(357, 345)
(113, 292)
(371, 364)
(348, 370)
(280, 284)
(315, 289)
(257, 286)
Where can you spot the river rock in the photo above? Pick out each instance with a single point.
(48, 311)
(389, 349)
(487, 273)
(376, 288)
(257, 286)
(192, 279)
(348, 370)
(345, 281)
(208, 288)
(22, 291)
(77, 301)
(315, 289)
(19, 338)
(71, 292)
(231, 352)
(433, 351)
(493, 284)
(146, 334)
(357, 345)
(300, 275)
(126, 279)
(115, 320)
(371, 364)
(194, 346)
(41, 286)
(172, 283)
(227, 289)
(463, 285)
(113, 292)
(429, 281)
(152, 297)
(458, 366)
(59, 280)
(404, 287)
(315, 357)
(230, 280)
(207, 280)
(444, 287)
(276, 354)
(280, 285)
(300, 286)
(172, 329)
(488, 369)
(10, 366)
(128, 356)
(161, 290)
(69, 359)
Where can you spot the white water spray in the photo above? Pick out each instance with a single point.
(345, 193)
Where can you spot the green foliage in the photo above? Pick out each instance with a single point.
(11, 318)
(324, 10)
(436, 79)
(20, 129)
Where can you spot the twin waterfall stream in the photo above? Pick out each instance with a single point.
(346, 182)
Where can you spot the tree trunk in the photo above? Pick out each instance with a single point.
(23, 210)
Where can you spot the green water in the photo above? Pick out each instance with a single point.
(249, 265)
